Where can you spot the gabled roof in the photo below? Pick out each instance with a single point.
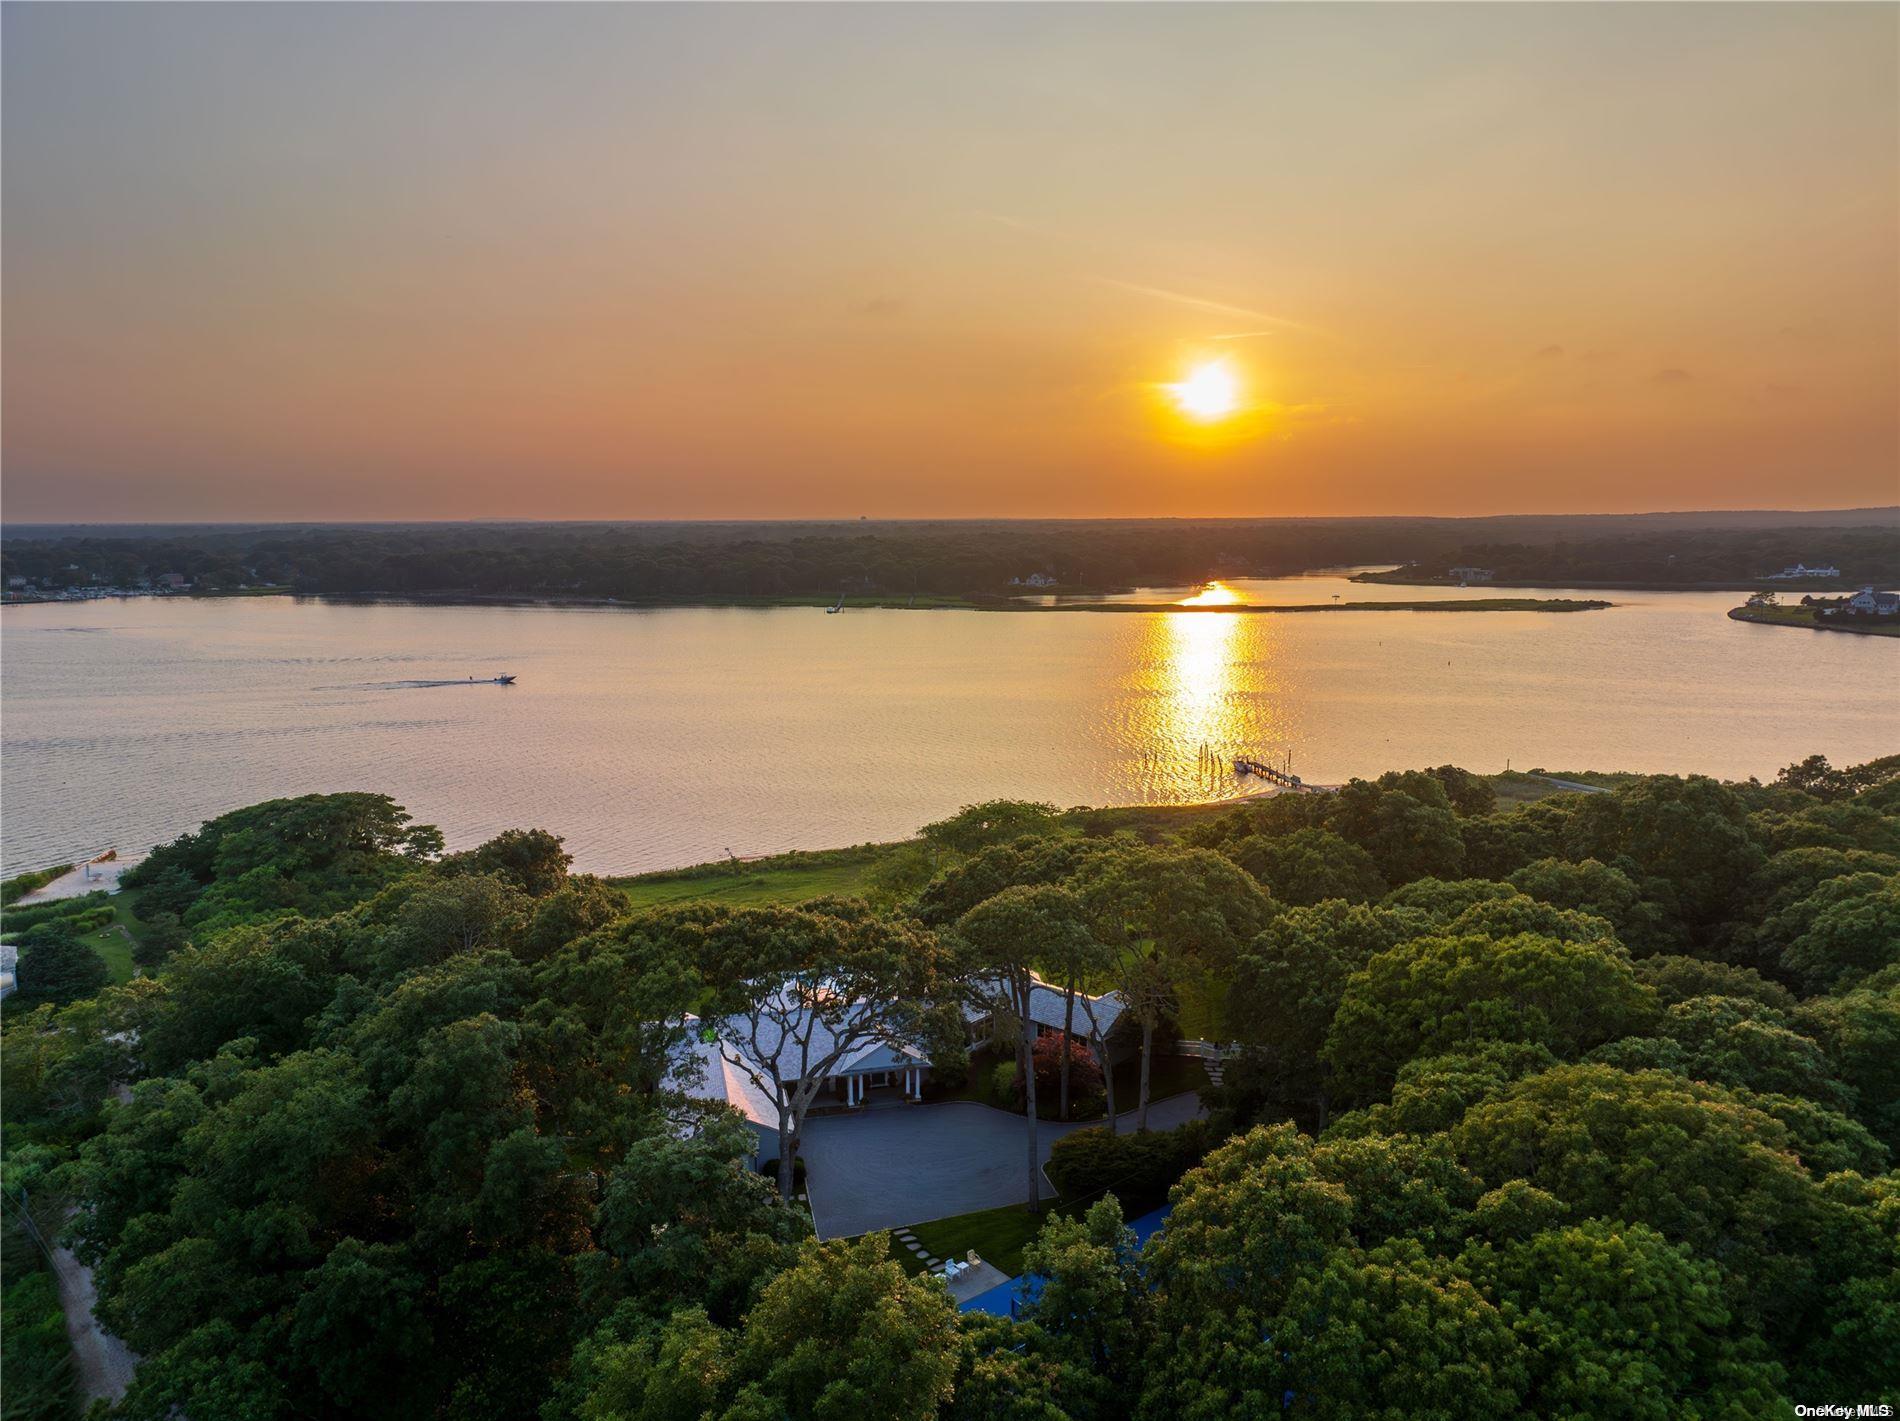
(723, 1081)
(719, 1080)
(1093, 1015)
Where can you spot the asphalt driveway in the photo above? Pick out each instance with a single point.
(886, 1168)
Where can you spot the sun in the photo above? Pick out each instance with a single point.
(1209, 392)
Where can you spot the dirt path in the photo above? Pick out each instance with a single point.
(102, 1364)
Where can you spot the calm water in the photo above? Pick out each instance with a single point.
(659, 738)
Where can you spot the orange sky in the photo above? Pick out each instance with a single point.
(733, 261)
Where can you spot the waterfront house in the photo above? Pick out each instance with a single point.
(1869, 603)
(883, 1071)
(1800, 570)
(878, 1072)
(1473, 574)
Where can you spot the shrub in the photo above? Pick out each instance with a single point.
(1003, 1081)
(22, 884)
(1085, 1073)
(950, 1073)
(55, 966)
(1138, 1169)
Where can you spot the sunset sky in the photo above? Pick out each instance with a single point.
(444, 261)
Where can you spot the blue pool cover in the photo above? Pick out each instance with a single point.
(1005, 1298)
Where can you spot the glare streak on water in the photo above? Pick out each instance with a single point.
(658, 738)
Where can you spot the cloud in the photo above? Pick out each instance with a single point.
(1671, 376)
(1549, 352)
(1200, 303)
(882, 306)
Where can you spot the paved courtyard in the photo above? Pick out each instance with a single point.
(886, 1168)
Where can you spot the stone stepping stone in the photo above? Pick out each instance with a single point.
(930, 1262)
(914, 1246)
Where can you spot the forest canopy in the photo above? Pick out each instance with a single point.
(1584, 1107)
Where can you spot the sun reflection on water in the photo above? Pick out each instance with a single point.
(1213, 693)
(1215, 594)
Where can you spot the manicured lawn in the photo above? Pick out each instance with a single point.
(783, 878)
(114, 941)
(1514, 787)
(999, 1237)
(1798, 616)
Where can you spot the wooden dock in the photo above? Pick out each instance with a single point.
(1245, 765)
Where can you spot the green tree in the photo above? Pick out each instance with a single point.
(1309, 866)
(1676, 979)
(1014, 1371)
(1602, 892)
(1860, 1031)
(1405, 822)
(55, 966)
(1436, 994)
(1620, 1322)
(844, 1334)
(1172, 916)
(1287, 985)
(582, 905)
(1689, 1160)
(1004, 937)
(997, 821)
(1691, 834)
(1733, 1041)
(794, 992)
(1848, 939)
(164, 935)
(685, 1217)
(1093, 1293)
(532, 860)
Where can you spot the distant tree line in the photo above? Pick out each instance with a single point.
(1730, 556)
(662, 561)
(1586, 1107)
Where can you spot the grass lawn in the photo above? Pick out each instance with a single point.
(1798, 616)
(1515, 787)
(999, 1237)
(783, 878)
(115, 940)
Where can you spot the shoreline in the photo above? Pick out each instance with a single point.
(935, 603)
(1382, 579)
(1754, 617)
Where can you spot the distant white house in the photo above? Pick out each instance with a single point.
(1473, 574)
(1869, 603)
(1035, 579)
(1800, 570)
(9, 964)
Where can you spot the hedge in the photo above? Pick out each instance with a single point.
(1138, 1169)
